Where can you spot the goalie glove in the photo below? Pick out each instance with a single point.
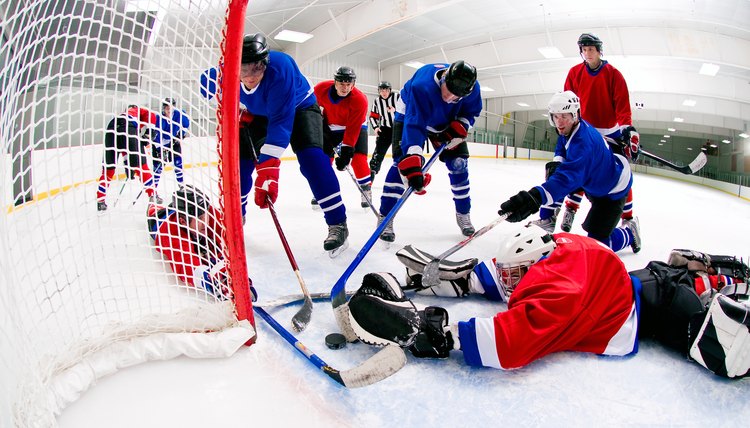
(435, 337)
(722, 344)
(632, 141)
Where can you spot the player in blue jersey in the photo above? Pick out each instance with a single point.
(588, 163)
(171, 128)
(284, 112)
(440, 103)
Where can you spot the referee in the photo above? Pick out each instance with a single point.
(381, 119)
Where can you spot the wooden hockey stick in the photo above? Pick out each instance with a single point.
(384, 363)
(431, 273)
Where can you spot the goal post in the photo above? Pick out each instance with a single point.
(84, 291)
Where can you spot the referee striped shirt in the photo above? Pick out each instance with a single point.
(380, 114)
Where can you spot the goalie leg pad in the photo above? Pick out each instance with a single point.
(380, 314)
(416, 259)
(722, 344)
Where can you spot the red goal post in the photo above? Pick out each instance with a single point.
(84, 292)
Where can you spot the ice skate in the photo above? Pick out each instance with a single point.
(336, 241)
(567, 220)
(101, 206)
(314, 204)
(464, 222)
(367, 195)
(635, 228)
(388, 235)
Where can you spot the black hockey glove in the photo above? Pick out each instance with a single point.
(345, 157)
(550, 168)
(434, 339)
(521, 205)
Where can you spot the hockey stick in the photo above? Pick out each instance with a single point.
(120, 192)
(302, 317)
(384, 363)
(431, 272)
(291, 299)
(338, 292)
(693, 167)
(362, 192)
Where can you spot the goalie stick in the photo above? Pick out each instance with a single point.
(302, 317)
(431, 273)
(691, 168)
(384, 363)
(338, 292)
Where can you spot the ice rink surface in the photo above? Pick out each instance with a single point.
(270, 384)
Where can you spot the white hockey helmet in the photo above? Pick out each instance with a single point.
(564, 102)
(519, 252)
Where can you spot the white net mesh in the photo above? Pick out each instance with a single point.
(76, 280)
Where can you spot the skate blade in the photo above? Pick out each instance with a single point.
(336, 251)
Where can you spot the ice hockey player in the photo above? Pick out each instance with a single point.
(344, 109)
(172, 127)
(122, 136)
(381, 119)
(587, 163)
(556, 301)
(283, 110)
(439, 103)
(188, 236)
(605, 104)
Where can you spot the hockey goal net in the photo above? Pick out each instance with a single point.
(84, 292)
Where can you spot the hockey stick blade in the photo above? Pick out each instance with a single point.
(338, 292)
(383, 364)
(431, 273)
(694, 166)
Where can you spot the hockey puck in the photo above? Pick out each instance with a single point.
(335, 341)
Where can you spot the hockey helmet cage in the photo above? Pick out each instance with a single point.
(345, 74)
(254, 49)
(589, 39)
(518, 253)
(384, 85)
(190, 201)
(564, 102)
(460, 78)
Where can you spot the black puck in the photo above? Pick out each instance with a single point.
(335, 341)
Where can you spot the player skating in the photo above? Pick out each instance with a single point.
(345, 123)
(172, 128)
(588, 164)
(122, 136)
(283, 111)
(566, 293)
(439, 103)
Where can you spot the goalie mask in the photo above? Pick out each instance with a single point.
(517, 254)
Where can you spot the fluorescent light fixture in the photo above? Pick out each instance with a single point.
(713, 145)
(690, 148)
(725, 141)
(671, 129)
(550, 52)
(487, 89)
(689, 103)
(708, 69)
(663, 141)
(679, 119)
(661, 144)
(666, 136)
(545, 115)
(414, 64)
(743, 135)
(293, 36)
(522, 104)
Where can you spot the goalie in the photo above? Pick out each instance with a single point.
(565, 293)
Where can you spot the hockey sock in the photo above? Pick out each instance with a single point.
(247, 166)
(458, 174)
(620, 238)
(178, 168)
(361, 169)
(546, 212)
(315, 167)
(627, 210)
(393, 189)
(104, 179)
(573, 201)
(147, 180)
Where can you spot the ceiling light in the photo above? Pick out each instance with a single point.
(293, 36)
(679, 119)
(743, 135)
(545, 115)
(523, 104)
(663, 141)
(713, 145)
(486, 89)
(666, 136)
(414, 64)
(661, 144)
(725, 141)
(689, 103)
(690, 148)
(671, 129)
(709, 69)
(550, 52)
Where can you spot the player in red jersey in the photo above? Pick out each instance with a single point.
(565, 293)
(344, 110)
(122, 137)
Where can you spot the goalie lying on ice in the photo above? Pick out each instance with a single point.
(565, 293)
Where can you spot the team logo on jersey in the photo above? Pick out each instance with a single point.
(563, 240)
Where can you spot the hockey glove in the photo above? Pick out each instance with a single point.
(454, 134)
(550, 168)
(411, 168)
(434, 339)
(521, 205)
(632, 141)
(345, 157)
(267, 182)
